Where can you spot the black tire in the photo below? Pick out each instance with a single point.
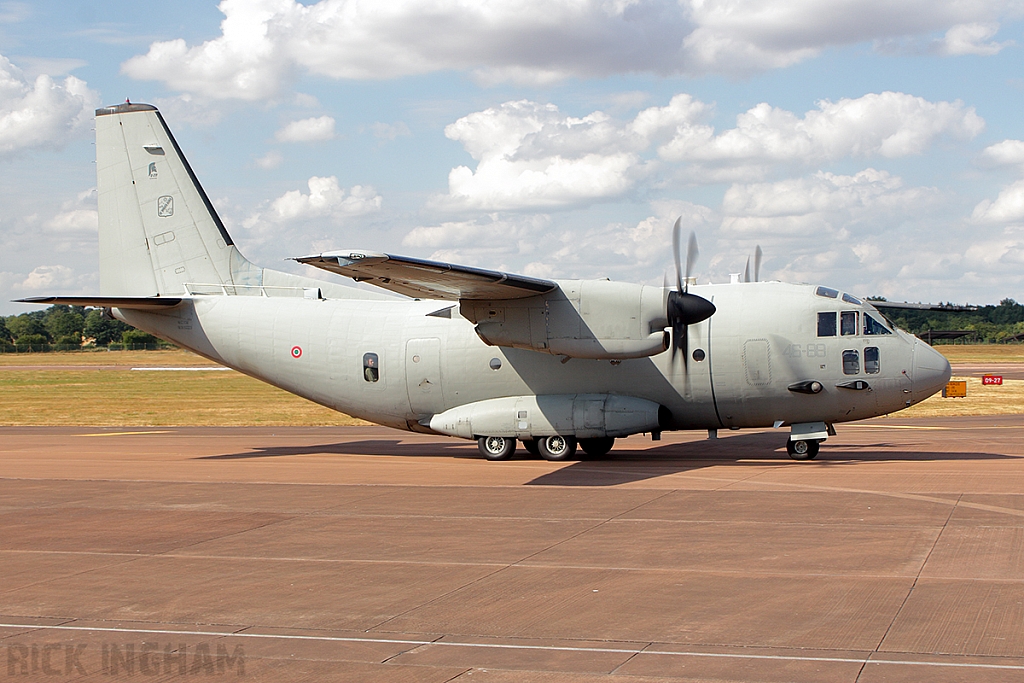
(595, 448)
(557, 448)
(803, 449)
(496, 447)
(532, 447)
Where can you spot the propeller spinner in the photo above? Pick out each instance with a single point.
(683, 308)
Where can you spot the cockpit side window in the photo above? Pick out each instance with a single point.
(371, 367)
(827, 324)
(850, 299)
(851, 362)
(872, 326)
(826, 292)
(848, 322)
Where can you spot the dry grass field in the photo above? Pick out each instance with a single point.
(62, 389)
(130, 398)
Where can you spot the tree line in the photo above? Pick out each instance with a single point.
(68, 327)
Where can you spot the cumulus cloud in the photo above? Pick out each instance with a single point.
(316, 129)
(1005, 153)
(887, 124)
(271, 159)
(822, 205)
(47, 278)
(264, 44)
(43, 113)
(325, 199)
(1008, 207)
(531, 156)
(77, 216)
(971, 39)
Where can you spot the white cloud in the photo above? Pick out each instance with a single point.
(271, 159)
(264, 44)
(824, 205)
(316, 129)
(325, 199)
(531, 156)
(1005, 153)
(42, 113)
(1008, 207)
(887, 124)
(77, 216)
(47, 278)
(971, 39)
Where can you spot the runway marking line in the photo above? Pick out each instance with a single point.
(512, 646)
(162, 431)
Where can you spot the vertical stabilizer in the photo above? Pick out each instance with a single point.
(158, 229)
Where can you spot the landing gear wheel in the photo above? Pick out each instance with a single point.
(595, 448)
(496, 447)
(803, 449)
(532, 447)
(557, 448)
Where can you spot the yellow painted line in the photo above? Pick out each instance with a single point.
(165, 431)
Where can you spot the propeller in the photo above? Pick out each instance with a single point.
(685, 309)
(757, 266)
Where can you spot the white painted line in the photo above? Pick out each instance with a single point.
(511, 646)
(182, 369)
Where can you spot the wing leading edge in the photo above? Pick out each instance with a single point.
(420, 278)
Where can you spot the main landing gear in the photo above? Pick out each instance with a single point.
(803, 449)
(555, 448)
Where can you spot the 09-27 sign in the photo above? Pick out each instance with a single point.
(991, 380)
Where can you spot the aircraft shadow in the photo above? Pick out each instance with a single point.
(455, 449)
(624, 465)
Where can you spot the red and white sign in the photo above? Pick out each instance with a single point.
(297, 353)
(991, 380)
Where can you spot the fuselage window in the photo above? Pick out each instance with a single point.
(851, 362)
(371, 367)
(827, 324)
(871, 364)
(872, 326)
(826, 292)
(851, 299)
(848, 322)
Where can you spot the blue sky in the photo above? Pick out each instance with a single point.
(869, 145)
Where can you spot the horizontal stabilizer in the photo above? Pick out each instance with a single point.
(140, 302)
(420, 278)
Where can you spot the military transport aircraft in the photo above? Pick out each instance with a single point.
(485, 355)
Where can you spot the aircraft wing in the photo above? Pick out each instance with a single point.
(140, 302)
(424, 279)
(902, 305)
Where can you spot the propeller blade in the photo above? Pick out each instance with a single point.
(692, 252)
(746, 271)
(757, 263)
(675, 251)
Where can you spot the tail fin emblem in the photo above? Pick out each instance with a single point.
(165, 206)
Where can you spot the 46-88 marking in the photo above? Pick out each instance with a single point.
(809, 351)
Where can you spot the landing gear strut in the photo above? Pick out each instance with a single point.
(803, 449)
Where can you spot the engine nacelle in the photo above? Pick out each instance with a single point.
(585, 416)
(596, 319)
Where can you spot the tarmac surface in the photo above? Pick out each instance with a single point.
(366, 554)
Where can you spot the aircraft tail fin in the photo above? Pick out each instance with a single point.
(158, 229)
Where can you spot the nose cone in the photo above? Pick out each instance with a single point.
(931, 371)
